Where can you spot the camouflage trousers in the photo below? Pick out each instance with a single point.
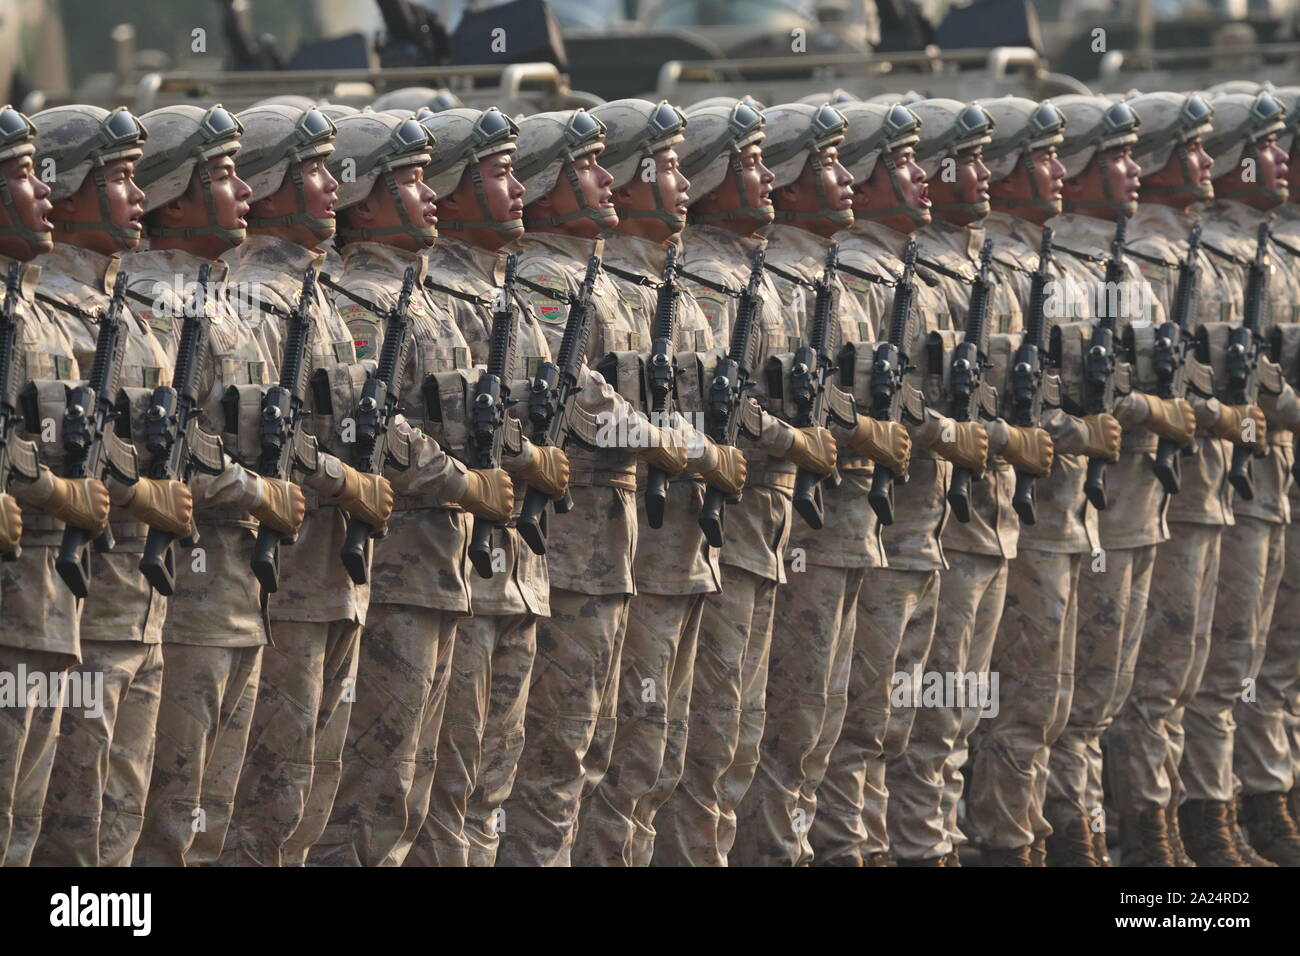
(568, 726)
(295, 745)
(892, 634)
(1252, 553)
(926, 780)
(814, 623)
(390, 750)
(697, 824)
(208, 694)
(1145, 743)
(1265, 754)
(1113, 611)
(482, 737)
(94, 807)
(1033, 657)
(29, 733)
(656, 671)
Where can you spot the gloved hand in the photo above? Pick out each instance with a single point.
(1029, 450)
(163, 504)
(730, 474)
(489, 494)
(665, 450)
(548, 472)
(366, 497)
(282, 506)
(80, 502)
(1231, 426)
(11, 523)
(1170, 418)
(1103, 437)
(887, 443)
(969, 448)
(813, 449)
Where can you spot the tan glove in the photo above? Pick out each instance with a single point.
(969, 449)
(80, 502)
(1170, 418)
(885, 442)
(366, 497)
(730, 474)
(163, 504)
(548, 472)
(1231, 426)
(1103, 437)
(11, 523)
(1029, 449)
(489, 494)
(813, 449)
(665, 451)
(282, 506)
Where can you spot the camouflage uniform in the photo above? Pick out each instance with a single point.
(1034, 652)
(815, 619)
(216, 626)
(696, 826)
(404, 662)
(926, 781)
(95, 804)
(675, 569)
(483, 730)
(898, 600)
(39, 628)
(1113, 591)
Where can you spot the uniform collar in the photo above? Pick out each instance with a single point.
(92, 269)
(573, 247)
(636, 254)
(258, 249)
(382, 257)
(171, 261)
(450, 257)
(726, 241)
(1083, 233)
(875, 235)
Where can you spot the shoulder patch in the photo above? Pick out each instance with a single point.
(365, 333)
(551, 312)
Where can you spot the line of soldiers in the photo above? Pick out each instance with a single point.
(642, 469)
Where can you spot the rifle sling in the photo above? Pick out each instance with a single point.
(790, 276)
(863, 274)
(68, 307)
(634, 277)
(359, 300)
(709, 283)
(1225, 254)
(945, 271)
(555, 294)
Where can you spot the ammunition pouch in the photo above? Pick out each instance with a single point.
(1068, 348)
(1284, 347)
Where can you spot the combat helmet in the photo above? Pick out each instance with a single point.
(17, 138)
(636, 130)
(875, 131)
(1094, 124)
(358, 163)
(182, 139)
(336, 111)
(727, 101)
(835, 97)
(1170, 121)
(277, 141)
(83, 139)
(947, 128)
(550, 143)
(796, 133)
(463, 137)
(294, 100)
(1289, 97)
(1249, 87)
(714, 138)
(1240, 119)
(906, 98)
(414, 98)
(1021, 126)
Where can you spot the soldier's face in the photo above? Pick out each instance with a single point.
(824, 186)
(955, 194)
(319, 188)
(320, 191)
(1042, 181)
(1111, 176)
(230, 196)
(229, 193)
(125, 209)
(877, 191)
(594, 183)
(1259, 181)
(753, 192)
(417, 202)
(1183, 180)
(657, 183)
(504, 196)
(31, 201)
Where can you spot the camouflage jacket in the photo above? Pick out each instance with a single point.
(217, 601)
(121, 606)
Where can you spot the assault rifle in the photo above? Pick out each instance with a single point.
(1241, 365)
(1099, 364)
(18, 458)
(1026, 375)
(1170, 352)
(661, 376)
(888, 366)
(969, 360)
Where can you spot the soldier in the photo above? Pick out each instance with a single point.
(95, 804)
(388, 220)
(39, 627)
(1266, 755)
(925, 782)
(730, 203)
(570, 719)
(898, 600)
(482, 733)
(300, 720)
(1101, 186)
(1034, 650)
(1250, 178)
(195, 205)
(815, 620)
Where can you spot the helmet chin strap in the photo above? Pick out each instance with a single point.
(320, 227)
(231, 236)
(124, 238)
(505, 227)
(1036, 201)
(840, 217)
(33, 238)
(916, 214)
(764, 213)
(426, 235)
(675, 221)
(601, 217)
(1109, 201)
